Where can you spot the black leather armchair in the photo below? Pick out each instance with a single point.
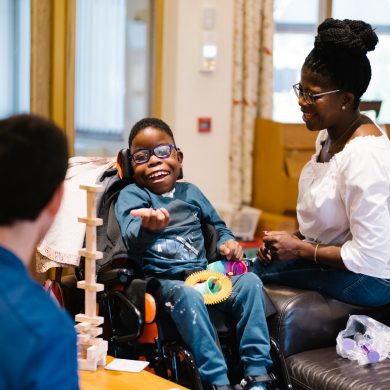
(305, 328)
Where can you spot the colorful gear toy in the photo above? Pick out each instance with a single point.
(215, 286)
(228, 267)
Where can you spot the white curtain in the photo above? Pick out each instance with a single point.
(252, 89)
(100, 66)
(14, 56)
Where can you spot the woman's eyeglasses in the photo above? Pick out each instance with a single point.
(308, 97)
(142, 156)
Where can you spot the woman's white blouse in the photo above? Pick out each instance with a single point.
(346, 202)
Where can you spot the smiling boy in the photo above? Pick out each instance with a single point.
(160, 220)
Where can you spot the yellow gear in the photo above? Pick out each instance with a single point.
(219, 296)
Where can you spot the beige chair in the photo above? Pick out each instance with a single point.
(280, 152)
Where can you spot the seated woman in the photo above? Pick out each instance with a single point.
(343, 245)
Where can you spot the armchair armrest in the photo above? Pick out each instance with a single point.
(307, 319)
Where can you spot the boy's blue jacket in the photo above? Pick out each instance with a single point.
(179, 246)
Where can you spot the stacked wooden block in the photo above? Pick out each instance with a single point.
(92, 350)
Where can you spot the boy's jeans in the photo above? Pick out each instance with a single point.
(246, 305)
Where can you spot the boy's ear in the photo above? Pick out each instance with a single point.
(180, 159)
(180, 155)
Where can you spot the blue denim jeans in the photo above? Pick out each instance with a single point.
(246, 305)
(344, 285)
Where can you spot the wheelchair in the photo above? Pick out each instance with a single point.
(134, 325)
(141, 330)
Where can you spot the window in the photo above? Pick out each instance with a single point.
(295, 27)
(377, 13)
(112, 72)
(14, 57)
(293, 39)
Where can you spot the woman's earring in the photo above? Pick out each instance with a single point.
(343, 107)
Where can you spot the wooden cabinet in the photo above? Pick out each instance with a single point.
(280, 152)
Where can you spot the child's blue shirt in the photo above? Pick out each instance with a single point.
(37, 338)
(179, 246)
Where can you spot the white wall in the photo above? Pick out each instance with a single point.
(189, 93)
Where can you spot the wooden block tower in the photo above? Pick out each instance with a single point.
(92, 351)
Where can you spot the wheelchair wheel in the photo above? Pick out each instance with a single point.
(178, 366)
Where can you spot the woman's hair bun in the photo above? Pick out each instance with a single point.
(345, 37)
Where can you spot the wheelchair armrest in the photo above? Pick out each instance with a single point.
(116, 275)
(134, 317)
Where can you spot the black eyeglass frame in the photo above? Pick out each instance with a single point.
(308, 97)
(151, 152)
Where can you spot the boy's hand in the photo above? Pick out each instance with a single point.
(232, 250)
(152, 219)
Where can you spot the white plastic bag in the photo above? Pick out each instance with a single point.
(364, 339)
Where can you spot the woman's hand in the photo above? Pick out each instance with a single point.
(232, 250)
(279, 245)
(264, 255)
(153, 220)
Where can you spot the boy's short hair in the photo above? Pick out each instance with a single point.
(33, 163)
(149, 122)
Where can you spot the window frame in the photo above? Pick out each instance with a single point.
(325, 11)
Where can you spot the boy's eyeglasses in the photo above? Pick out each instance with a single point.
(308, 97)
(142, 156)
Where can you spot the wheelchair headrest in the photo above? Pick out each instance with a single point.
(124, 168)
(123, 165)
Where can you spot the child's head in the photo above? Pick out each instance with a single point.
(155, 159)
(33, 164)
